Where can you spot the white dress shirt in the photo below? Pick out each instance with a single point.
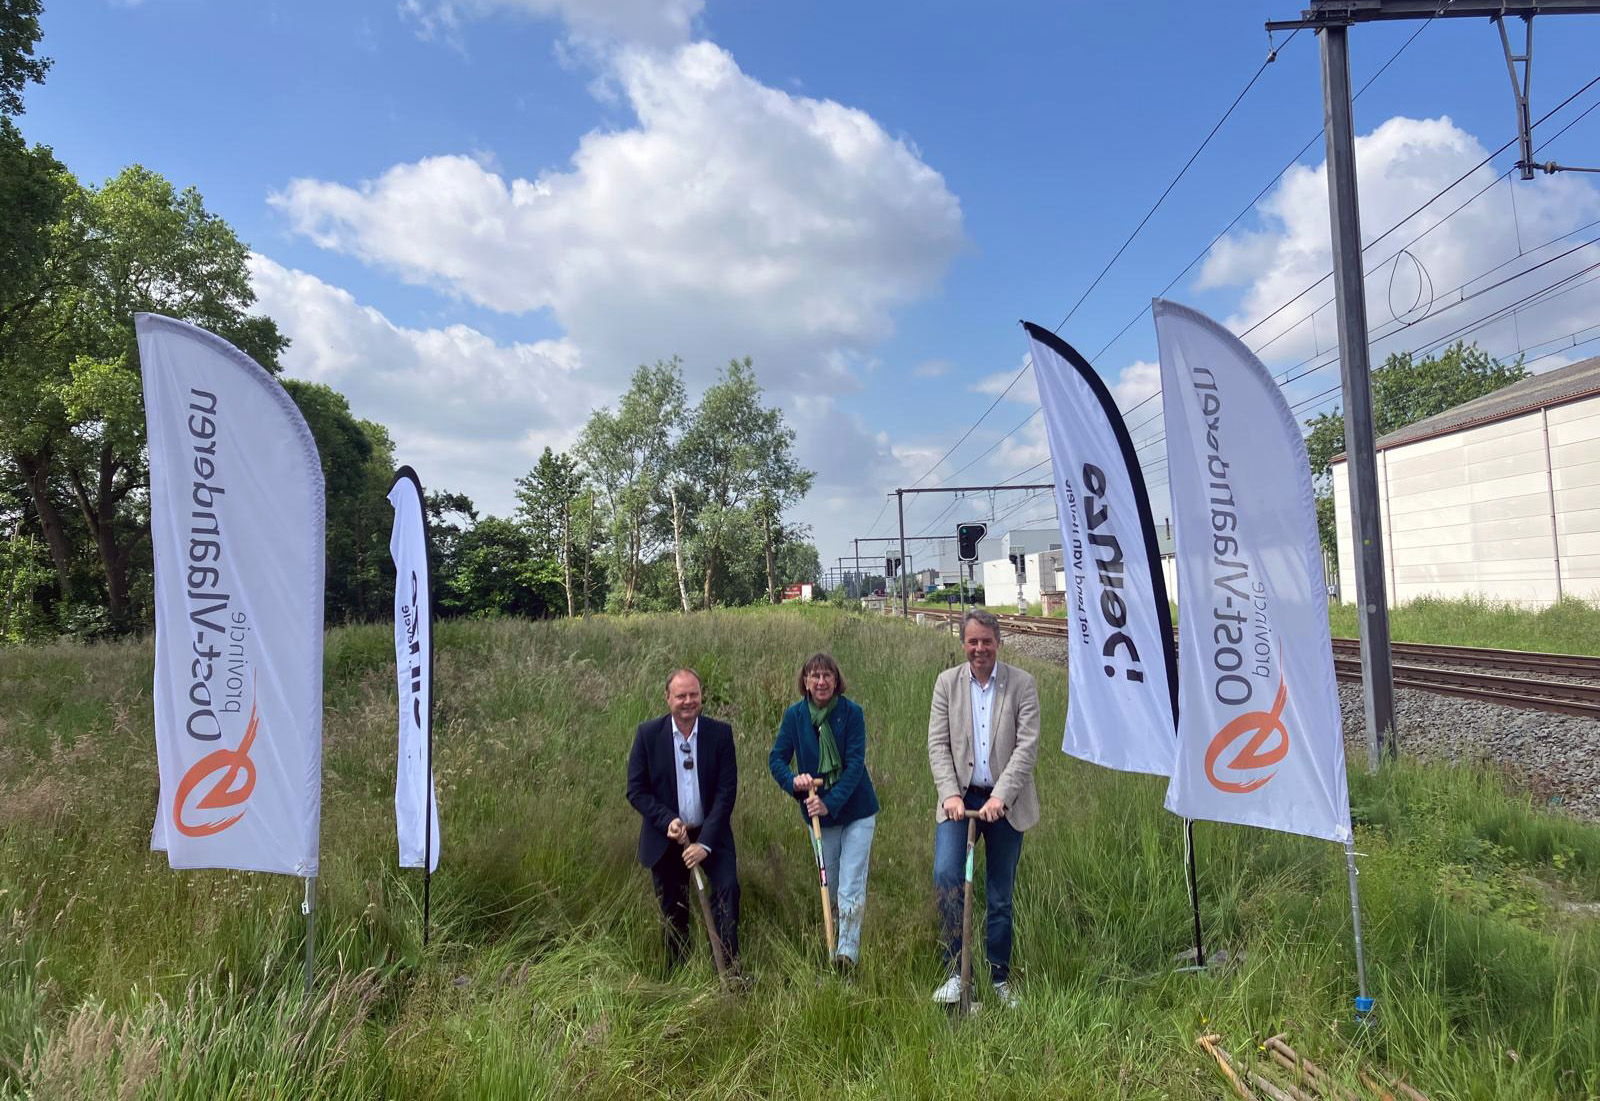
(689, 807)
(982, 705)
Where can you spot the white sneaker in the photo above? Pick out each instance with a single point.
(950, 992)
(1005, 995)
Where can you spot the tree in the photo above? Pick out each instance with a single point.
(449, 517)
(799, 563)
(357, 469)
(494, 572)
(627, 455)
(34, 187)
(1404, 391)
(140, 246)
(545, 499)
(19, 32)
(738, 456)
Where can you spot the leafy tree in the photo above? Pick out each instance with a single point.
(34, 188)
(357, 469)
(628, 455)
(798, 562)
(545, 499)
(738, 456)
(494, 572)
(19, 32)
(1404, 391)
(144, 246)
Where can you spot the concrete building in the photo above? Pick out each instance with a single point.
(1498, 497)
(1000, 577)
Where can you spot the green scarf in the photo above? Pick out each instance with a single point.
(828, 763)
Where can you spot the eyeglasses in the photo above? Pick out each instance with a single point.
(688, 761)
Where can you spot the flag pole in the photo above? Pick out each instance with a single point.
(1194, 892)
(428, 792)
(1363, 999)
(308, 907)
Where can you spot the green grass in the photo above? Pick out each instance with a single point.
(1569, 627)
(121, 978)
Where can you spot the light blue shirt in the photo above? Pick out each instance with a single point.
(689, 808)
(982, 705)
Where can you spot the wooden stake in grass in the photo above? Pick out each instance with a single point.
(1225, 1064)
(966, 917)
(1280, 1050)
(822, 876)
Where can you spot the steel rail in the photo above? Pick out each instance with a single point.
(1445, 670)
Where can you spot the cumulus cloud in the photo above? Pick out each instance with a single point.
(733, 219)
(598, 22)
(1022, 389)
(1138, 382)
(1420, 288)
(471, 414)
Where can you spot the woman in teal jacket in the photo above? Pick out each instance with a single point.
(825, 735)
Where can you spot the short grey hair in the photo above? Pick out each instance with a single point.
(983, 619)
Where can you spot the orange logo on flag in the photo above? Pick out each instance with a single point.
(1261, 725)
(230, 790)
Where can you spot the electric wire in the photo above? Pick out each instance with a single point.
(1142, 222)
(1392, 229)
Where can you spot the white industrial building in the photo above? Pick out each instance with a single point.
(1000, 576)
(1044, 569)
(1497, 498)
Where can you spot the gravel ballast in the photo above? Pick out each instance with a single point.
(1557, 757)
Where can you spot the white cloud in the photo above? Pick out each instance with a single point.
(733, 219)
(1138, 382)
(1022, 389)
(599, 22)
(1402, 164)
(470, 414)
(932, 368)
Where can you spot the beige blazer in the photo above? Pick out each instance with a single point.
(1013, 739)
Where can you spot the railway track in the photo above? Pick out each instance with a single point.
(1468, 672)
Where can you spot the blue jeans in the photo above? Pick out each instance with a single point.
(847, 850)
(1002, 845)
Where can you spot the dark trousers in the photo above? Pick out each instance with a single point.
(674, 886)
(1002, 844)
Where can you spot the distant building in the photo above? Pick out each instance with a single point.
(1498, 497)
(1000, 581)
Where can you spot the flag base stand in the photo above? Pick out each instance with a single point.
(308, 906)
(1364, 1002)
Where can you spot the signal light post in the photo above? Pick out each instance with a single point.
(900, 501)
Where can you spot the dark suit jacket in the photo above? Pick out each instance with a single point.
(653, 785)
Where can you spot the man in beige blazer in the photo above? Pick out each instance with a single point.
(983, 739)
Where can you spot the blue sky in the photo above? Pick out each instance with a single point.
(475, 217)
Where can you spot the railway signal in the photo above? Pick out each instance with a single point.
(968, 536)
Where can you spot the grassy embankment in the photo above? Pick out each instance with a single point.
(121, 978)
(1570, 627)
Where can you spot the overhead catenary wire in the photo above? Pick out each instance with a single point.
(1150, 441)
(1272, 55)
(1198, 257)
(1263, 320)
(1251, 205)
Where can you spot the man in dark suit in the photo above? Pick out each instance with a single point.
(683, 779)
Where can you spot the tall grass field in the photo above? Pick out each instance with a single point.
(120, 978)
